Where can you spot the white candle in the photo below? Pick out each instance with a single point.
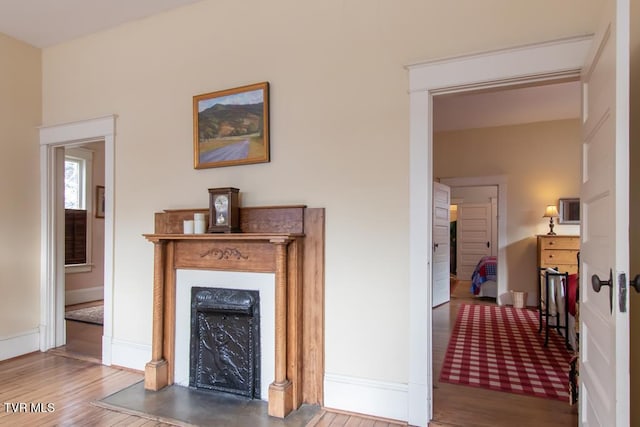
(199, 226)
(188, 226)
(198, 222)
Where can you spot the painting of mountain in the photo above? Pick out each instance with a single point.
(232, 127)
(223, 120)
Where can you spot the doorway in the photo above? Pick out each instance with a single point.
(84, 249)
(505, 148)
(53, 141)
(536, 63)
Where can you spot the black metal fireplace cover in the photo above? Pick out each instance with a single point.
(225, 341)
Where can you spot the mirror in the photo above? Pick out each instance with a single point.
(569, 211)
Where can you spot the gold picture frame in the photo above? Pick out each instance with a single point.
(231, 127)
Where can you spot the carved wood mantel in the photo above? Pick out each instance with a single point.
(280, 253)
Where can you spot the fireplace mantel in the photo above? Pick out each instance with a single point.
(276, 252)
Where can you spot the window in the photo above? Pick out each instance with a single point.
(77, 203)
(74, 183)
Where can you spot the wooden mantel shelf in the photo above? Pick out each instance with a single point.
(269, 237)
(273, 241)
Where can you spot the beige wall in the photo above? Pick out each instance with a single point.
(541, 162)
(634, 214)
(20, 100)
(339, 133)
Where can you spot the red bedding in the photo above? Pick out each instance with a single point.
(572, 293)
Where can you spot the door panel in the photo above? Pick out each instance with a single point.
(474, 231)
(604, 351)
(441, 244)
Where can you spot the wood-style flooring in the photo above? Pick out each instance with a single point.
(70, 385)
(84, 341)
(62, 389)
(458, 405)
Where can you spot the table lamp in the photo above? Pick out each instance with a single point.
(551, 212)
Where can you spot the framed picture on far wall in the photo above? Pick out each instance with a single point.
(231, 127)
(99, 201)
(569, 211)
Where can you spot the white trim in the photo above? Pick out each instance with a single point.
(52, 138)
(78, 296)
(501, 182)
(129, 354)
(535, 62)
(18, 344)
(77, 268)
(523, 64)
(362, 396)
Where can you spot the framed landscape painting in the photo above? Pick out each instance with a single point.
(231, 127)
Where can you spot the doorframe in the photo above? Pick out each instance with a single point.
(499, 181)
(540, 62)
(52, 138)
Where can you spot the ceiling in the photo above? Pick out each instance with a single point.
(44, 23)
(507, 106)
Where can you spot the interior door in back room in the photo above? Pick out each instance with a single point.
(474, 237)
(441, 253)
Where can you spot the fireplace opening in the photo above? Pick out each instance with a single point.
(225, 341)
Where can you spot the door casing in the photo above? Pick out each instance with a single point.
(524, 64)
(52, 139)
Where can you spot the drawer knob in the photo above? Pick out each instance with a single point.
(551, 243)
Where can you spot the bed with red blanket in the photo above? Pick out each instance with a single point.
(484, 278)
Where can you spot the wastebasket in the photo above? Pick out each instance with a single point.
(519, 299)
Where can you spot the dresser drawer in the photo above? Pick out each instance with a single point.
(562, 268)
(551, 242)
(559, 256)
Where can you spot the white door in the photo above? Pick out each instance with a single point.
(441, 244)
(604, 322)
(474, 237)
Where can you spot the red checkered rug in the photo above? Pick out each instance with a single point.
(499, 348)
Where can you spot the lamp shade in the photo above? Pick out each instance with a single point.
(550, 212)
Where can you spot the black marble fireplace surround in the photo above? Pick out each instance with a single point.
(225, 341)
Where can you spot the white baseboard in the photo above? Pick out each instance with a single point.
(78, 296)
(130, 354)
(377, 398)
(19, 344)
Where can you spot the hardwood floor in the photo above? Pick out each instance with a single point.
(65, 388)
(70, 385)
(84, 340)
(46, 389)
(457, 405)
(335, 418)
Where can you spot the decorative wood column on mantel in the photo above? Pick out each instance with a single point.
(279, 253)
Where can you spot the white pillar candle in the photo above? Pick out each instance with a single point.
(199, 226)
(188, 226)
(198, 223)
